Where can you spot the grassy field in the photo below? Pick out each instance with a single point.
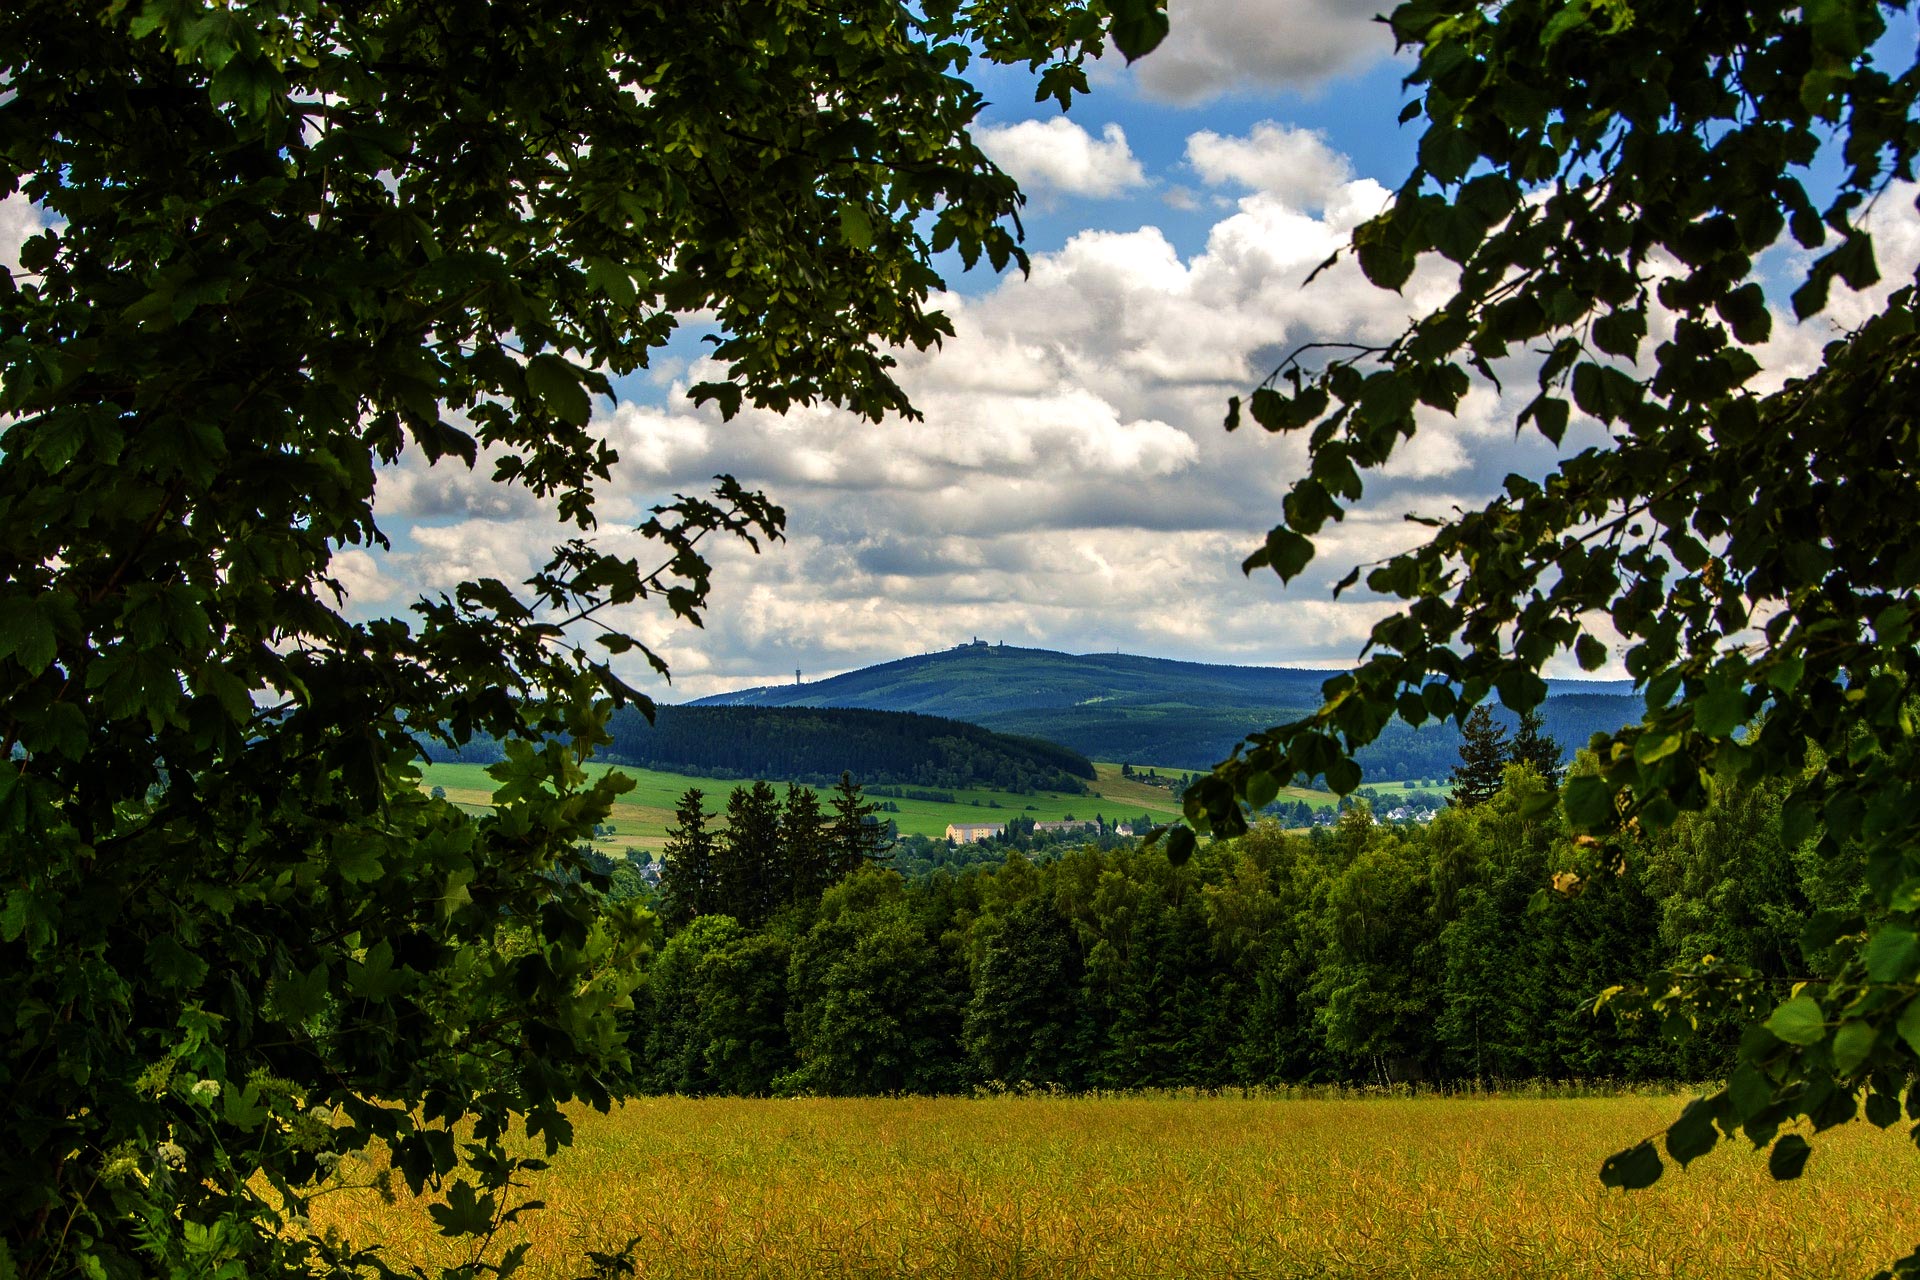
(1051, 1189)
(642, 816)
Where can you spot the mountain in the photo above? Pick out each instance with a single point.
(1114, 706)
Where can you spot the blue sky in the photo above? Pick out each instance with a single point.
(1071, 486)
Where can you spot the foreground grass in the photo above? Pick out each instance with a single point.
(1015, 1188)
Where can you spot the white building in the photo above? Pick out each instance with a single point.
(971, 832)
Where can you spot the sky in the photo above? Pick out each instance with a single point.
(1071, 486)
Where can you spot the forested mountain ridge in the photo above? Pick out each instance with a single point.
(816, 745)
(1114, 706)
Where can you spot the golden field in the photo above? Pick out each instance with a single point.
(1043, 1188)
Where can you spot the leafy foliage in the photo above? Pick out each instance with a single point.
(289, 245)
(1601, 174)
(1360, 954)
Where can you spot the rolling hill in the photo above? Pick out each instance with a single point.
(1112, 706)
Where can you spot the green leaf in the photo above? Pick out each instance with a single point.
(1637, 1167)
(1589, 803)
(1655, 745)
(1834, 28)
(375, 978)
(1288, 552)
(356, 857)
(1138, 26)
(1261, 789)
(26, 634)
(464, 1213)
(1909, 1025)
(1721, 709)
(1693, 1134)
(242, 1107)
(1749, 1091)
(557, 384)
(856, 228)
(1799, 1021)
(1181, 843)
(1853, 1045)
(1893, 954)
(173, 964)
(1788, 1158)
(1343, 776)
(299, 997)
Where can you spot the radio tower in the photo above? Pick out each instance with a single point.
(796, 675)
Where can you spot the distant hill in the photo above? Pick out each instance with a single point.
(812, 744)
(1112, 706)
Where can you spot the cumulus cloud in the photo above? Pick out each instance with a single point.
(1296, 166)
(1058, 157)
(1216, 47)
(1070, 486)
(19, 221)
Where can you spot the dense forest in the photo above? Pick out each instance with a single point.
(1468, 949)
(813, 744)
(816, 745)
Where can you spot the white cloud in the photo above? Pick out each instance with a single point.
(1058, 157)
(1296, 166)
(1070, 487)
(1216, 47)
(19, 221)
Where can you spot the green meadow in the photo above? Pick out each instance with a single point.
(641, 816)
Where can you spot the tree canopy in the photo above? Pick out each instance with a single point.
(1605, 178)
(287, 245)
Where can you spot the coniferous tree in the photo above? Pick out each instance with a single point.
(1483, 759)
(689, 884)
(752, 870)
(1531, 746)
(803, 837)
(856, 838)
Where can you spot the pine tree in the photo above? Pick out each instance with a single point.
(1531, 746)
(752, 870)
(1483, 759)
(689, 885)
(803, 837)
(855, 838)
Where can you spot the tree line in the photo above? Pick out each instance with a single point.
(771, 854)
(816, 744)
(1472, 948)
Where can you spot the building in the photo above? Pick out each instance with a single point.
(971, 832)
(1038, 827)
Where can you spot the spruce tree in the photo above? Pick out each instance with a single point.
(1531, 746)
(752, 870)
(689, 885)
(803, 838)
(856, 837)
(1483, 759)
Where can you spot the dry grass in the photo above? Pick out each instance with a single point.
(1046, 1188)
